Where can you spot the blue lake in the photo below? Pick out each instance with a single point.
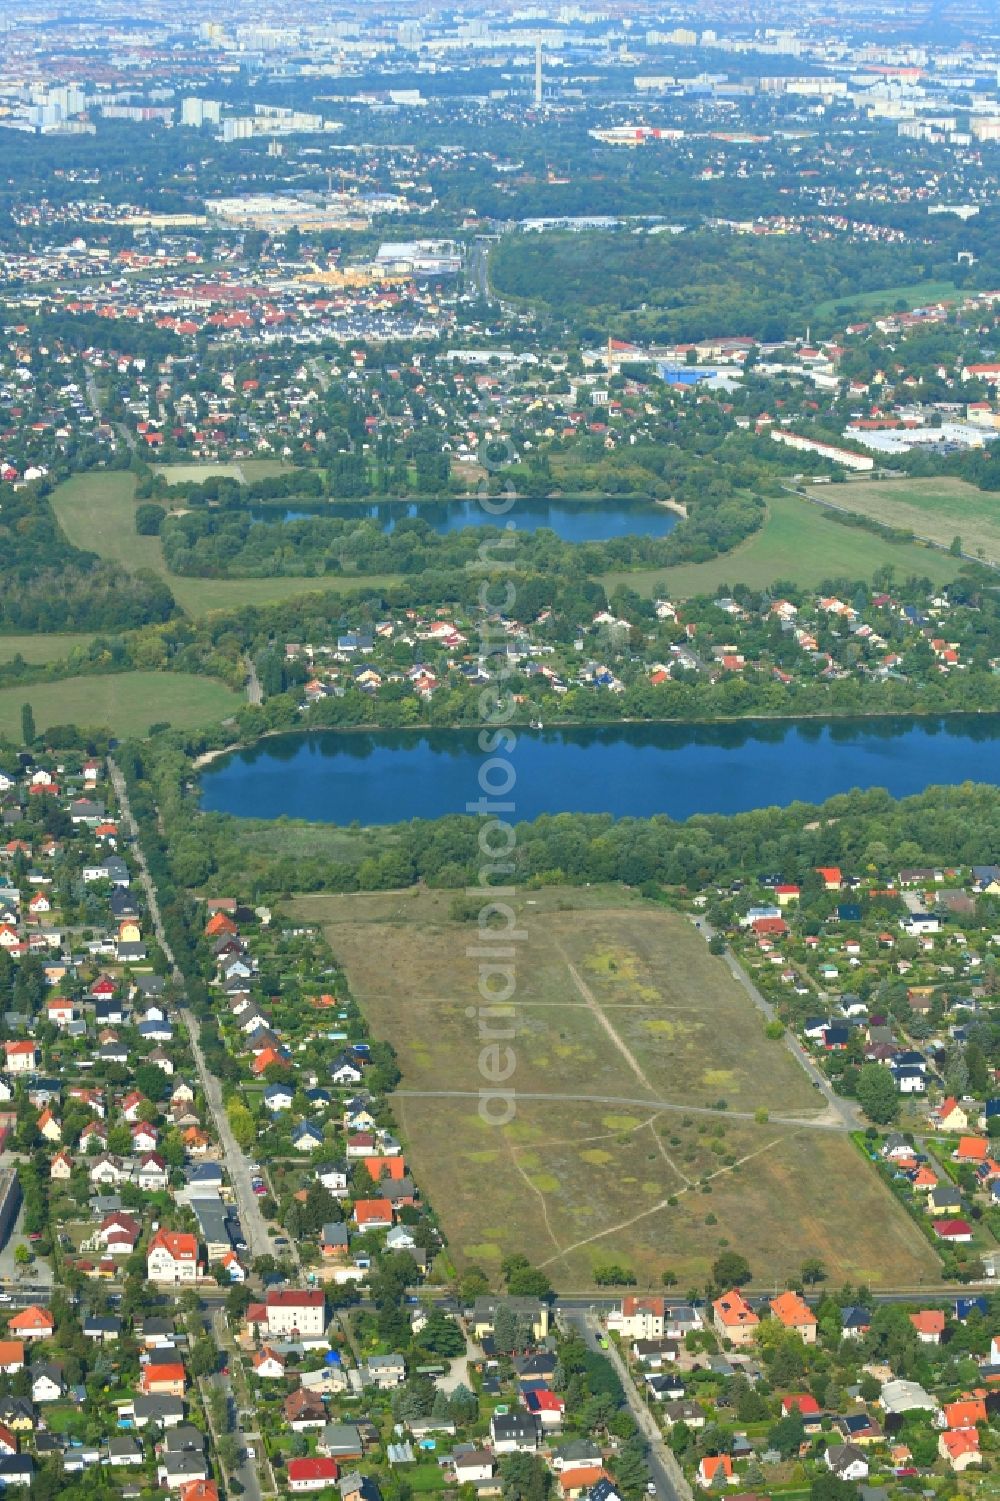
(573, 521)
(384, 777)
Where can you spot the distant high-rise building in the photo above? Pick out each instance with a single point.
(198, 112)
(538, 73)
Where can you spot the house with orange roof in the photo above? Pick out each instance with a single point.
(965, 1413)
(831, 875)
(11, 1356)
(971, 1149)
(22, 1057)
(929, 1324)
(795, 1314)
(949, 1116)
(218, 924)
(578, 1479)
(164, 1380)
(960, 1447)
(32, 1323)
(734, 1319)
(268, 1364)
(199, 1490)
(715, 1469)
(373, 1214)
(924, 1179)
(265, 1058)
(172, 1257)
(385, 1167)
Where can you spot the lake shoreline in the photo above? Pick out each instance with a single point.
(207, 758)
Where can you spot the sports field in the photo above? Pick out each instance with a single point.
(126, 703)
(642, 1072)
(245, 471)
(796, 542)
(97, 512)
(940, 509)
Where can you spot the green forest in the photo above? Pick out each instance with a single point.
(685, 287)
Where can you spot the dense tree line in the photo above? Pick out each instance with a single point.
(691, 286)
(218, 544)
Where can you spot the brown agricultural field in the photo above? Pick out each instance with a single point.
(654, 1122)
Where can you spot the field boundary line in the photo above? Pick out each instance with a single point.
(594, 1006)
(798, 1121)
(665, 1203)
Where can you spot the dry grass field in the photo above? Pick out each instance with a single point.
(939, 509)
(641, 1069)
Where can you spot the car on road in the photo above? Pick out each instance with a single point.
(4, 1297)
(281, 1240)
(259, 1190)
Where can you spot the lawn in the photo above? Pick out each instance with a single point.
(246, 471)
(97, 512)
(40, 648)
(799, 543)
(640, 1069)
(939, 509)
(885, 300)
(126, 703)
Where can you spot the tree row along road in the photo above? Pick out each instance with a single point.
(666, 1472)
(254, 1226)
(843, 1114)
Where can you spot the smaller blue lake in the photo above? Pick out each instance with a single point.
(573, 521)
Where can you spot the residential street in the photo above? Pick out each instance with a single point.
(238, 1164)
(666, 1472)
(841, 1114)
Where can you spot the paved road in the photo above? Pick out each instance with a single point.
(255, 693)
(255, 1231)
(666, 1472)
(843, 1115)
(249, 1470)
(93, 396)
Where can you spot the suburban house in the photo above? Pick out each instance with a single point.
(289, 1313)
(795, 1314)
(313, 1474)
(172, 1257)
(734, 1319)
(638, 1318)
(513, 1432)
(530, 1311)
(33, 1323)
